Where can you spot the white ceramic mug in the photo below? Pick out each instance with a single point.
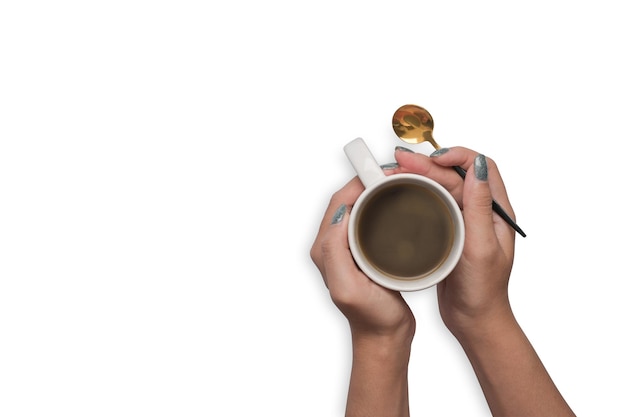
(409, 241)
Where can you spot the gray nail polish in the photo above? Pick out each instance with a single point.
(338, 216)
(390, 165)
(480, 167)
(440, 151)
(403, 149)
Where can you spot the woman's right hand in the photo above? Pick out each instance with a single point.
(477, 290)
(473, 299)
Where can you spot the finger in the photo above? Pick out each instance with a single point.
(423, 165)
(477, 201)
(464, 158)
(341, 273)
(456, 156)
(347, 195)
(390, 168)
(332, 243)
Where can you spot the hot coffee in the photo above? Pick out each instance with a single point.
(405, 230)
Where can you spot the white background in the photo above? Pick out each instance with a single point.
(164, 167)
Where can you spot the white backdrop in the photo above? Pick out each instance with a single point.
(164, 167)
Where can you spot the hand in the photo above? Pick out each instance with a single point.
(370, 309)
(473, 299)
(381, 322)
(477, 290)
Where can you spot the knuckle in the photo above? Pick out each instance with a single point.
(327, 249)
(314, 254)
(336, 199)
(343, 297)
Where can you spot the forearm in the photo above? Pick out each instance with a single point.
(379, 379)
(513, 379)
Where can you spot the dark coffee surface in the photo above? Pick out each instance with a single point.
(405, 230)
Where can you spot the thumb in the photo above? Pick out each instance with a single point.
(341, 275)
(477, 201)
(336, 255)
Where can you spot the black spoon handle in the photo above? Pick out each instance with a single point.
(495, 206)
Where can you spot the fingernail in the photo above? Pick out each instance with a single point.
(440, 151)
(390, 165)
(338, 216)
(480, 167)
(403, 149)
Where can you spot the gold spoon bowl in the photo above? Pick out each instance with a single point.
(413, 124)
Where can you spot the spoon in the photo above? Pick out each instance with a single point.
(414, 124)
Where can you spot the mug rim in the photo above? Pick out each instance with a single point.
(451, 259)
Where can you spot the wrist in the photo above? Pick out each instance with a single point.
(396, 339)
(383, 348)
(485, 328)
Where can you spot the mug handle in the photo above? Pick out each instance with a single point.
(363, 162)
